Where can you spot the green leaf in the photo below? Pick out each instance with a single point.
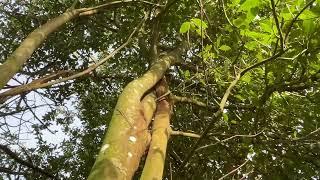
(225, 117)
(308, 26)
(266, 26)
(307, 14)
(295, 134)
(286, 16)
(199, 23)
(185, 27)
(224, 48)
(234, 122)
(246, 78)
(239, 97)
(208, 47)
(203, 82)
(240, 21)
(299, 3)
(315, 66)
(235, 2)
(263, 38)
(187, 74)
(251, 45)
(249, 4)
(218, 41)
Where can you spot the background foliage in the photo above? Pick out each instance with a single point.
(273, 110)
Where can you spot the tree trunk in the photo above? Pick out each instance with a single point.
(153, 168)
(128, 137)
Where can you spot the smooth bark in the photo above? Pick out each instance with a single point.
(128, 137)
(154, 165)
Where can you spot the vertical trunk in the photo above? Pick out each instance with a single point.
(154, 165)
(16, 60)
(128, 137)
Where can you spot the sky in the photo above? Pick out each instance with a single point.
(26, 136)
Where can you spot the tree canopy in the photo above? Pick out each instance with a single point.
(243, 85)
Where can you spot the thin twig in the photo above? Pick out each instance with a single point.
(14, 156)
(9, 171)
(306, 136)
(229, 138)
(296, 17)
(197, 143)
(236, 169)
(228, 91)
(225, 13)
(277, 24)
(222, 104)
(74, 4)
(191, 100)
(36, 117)
(187, 134)
(160, 98)
(170, 171)
(263, 62)
(187, 100)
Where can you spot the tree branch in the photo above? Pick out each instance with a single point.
(16, 60)
(94, 10)
(14, 156)
(265, 61)
(236, 169)
(187, 134)
(187, 100)
(296, 17)
(44, 82)
(222, 104)
(181, 99)
(229, 138)
(9, 171)
(306, 136)
(225, 13)
(277, 24)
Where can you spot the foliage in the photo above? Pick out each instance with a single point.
(277, 102)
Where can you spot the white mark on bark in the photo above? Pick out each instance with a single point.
(132, 139)
(104, 147)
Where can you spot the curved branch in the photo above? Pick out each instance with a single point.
(222, 104)
(229, 138)
(236, 169)
(181, 99)
(296, 17)
(16, 60)
(306, 136)
(44, 82)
